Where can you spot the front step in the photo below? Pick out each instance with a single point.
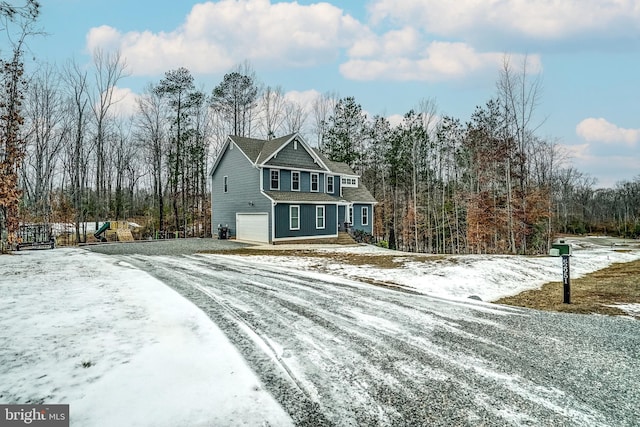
(345, 238)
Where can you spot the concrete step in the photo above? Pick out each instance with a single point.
(345, 238)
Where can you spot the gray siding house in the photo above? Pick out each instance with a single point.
(282, 190)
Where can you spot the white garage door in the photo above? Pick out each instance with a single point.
(253, 227)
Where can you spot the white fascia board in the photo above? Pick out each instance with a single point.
(304, 145)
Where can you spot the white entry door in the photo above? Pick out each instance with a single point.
(253, 227)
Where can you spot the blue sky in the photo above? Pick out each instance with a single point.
(389, 55)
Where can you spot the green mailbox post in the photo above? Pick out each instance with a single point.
(564, 250)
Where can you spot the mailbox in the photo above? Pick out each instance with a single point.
(560, 248)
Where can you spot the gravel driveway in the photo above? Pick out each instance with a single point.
(339, 352)
(165, 247)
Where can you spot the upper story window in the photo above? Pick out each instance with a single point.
(329, 184)
(275, 179)
(225, 184)
(295, 181)
(315, 182)
(349, 182)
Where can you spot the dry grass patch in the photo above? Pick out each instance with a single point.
(381, 261)
(593, 293)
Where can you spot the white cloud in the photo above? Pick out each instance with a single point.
(541, 19)
(124, 102)
(437, 61)
(216, 35)
(580, 152)
(304, 99)
(601, 130)
(405, 41)
(395, 119)
(608, 169)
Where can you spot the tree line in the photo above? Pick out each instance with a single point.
(68, 153)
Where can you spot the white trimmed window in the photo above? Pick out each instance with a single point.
(225, 184)
(349, 182)
(275, 179)
(319, 217)
(351, 215)
(315, 182)
(294, 217)
(365, 215)
(295, 181)
(329, 184)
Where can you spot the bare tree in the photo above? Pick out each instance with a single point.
(323, 108)
(520, 93)
(78, 112)
(428, 110)
(272, 111)
(109, 70)
(45, 136)
(295, 116)
(150, 123)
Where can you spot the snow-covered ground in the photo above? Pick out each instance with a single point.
(119, 347)
(489, 277)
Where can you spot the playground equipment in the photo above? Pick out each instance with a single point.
(114, 231)
(35, 236)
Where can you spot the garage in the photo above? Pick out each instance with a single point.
(253, 227)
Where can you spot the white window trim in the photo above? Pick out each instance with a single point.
(225, 184)
(324, 222)
(271, 187)
(291, 207)
(299, 177)
(350, 215)
(349, 182)
(311, 182)
(364, 215)
(333, 184)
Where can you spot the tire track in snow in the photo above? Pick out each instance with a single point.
(351, 353)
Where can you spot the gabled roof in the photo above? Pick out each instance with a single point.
(251, 147)
(335, 167)
(260, 151)
(271, 147)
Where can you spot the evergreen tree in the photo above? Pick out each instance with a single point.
(344, 140)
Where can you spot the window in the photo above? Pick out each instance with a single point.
(295, 181)
(351, 215)
(319, 216)
(349, 182)
(275, 179)
(365, 216)
(225, 184)
(314, 182)
(329, 184)
(294, 217)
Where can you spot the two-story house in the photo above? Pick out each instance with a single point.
(283, 190)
